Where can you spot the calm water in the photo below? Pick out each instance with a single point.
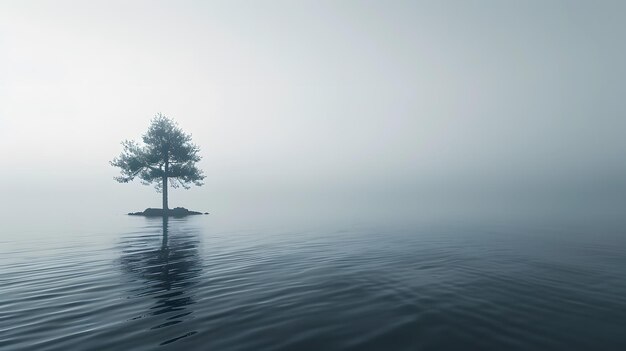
(119, 283)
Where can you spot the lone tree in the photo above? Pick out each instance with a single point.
(167, 156)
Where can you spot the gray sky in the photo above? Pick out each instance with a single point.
(390, 99)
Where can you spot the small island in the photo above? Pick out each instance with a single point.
(173, 212)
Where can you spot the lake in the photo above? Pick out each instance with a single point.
(118, 282)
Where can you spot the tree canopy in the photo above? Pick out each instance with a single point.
(167, 153)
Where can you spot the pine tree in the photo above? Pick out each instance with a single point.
(167, 157)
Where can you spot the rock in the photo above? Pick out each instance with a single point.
(173, 212)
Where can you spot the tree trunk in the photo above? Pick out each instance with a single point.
(165, 174)
(165, 195)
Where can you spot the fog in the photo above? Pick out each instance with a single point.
(442, 108)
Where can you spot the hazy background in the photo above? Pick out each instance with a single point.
(440, 108)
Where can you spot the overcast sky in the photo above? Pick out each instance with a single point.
(319, 97)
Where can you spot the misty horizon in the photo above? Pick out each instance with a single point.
(423, 105)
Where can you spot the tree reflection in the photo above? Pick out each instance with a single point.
(169, 271)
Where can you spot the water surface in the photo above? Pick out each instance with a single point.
(129, 283)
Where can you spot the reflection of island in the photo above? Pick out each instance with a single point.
(170, 265)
